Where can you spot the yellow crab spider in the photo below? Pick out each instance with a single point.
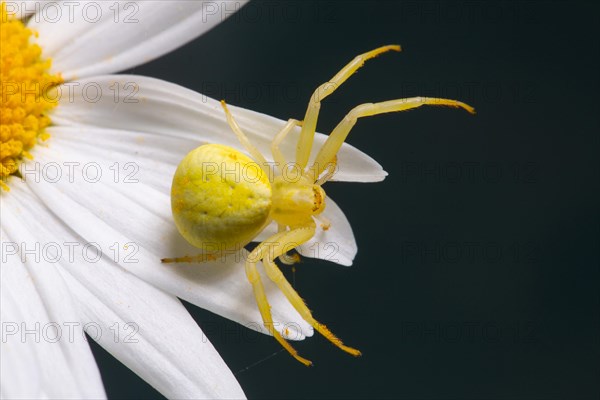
(222, 196)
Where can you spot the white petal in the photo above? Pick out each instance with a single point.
(22, 8)
(85, 38)
(37, 300)
(336, 244)
(143, 217)
(141, 104)
(148, 330)
(20, 373)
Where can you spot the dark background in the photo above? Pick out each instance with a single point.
(477, 274)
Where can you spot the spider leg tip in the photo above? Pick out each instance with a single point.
(466, 107)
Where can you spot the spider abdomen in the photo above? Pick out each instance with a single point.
(220, 198)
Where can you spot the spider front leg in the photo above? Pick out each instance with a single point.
(277, 154)
(250, 148)
(312, 112)
(335, 140)
(298, 236)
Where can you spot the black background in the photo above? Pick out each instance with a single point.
(477, 274)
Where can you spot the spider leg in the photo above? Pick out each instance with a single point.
(312, 112)
(261, 297)
(324, 222)
(257, 155)
(277, 155)
(337, 137)
(299, 235)
(285, 257)
(330, 171)
(289, 259)
(200, 258)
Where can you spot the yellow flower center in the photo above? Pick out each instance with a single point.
(24, 94)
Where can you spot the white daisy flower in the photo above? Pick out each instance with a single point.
(88, 218)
